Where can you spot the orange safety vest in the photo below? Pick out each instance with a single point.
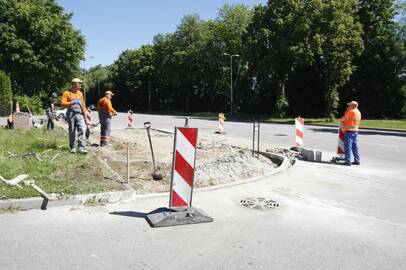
(351, 120)
(68, 96)
(105, 105)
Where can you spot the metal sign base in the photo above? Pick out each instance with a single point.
(164, 217)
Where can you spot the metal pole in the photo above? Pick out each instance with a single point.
(231, 81)
(128, 164)
(253, 138)
(149, 95)
(258, 141)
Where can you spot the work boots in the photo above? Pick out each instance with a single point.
(82, 150)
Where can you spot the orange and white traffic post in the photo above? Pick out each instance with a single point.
(299, 132)
(17, 107)
(221, 120)
(183, 167)
(180, 211)
(130, 119)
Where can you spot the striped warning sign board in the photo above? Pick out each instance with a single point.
(129, 119)
(299, 126)
(183, 167)
(340, 148)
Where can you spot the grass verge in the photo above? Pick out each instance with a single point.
(369, 123)
(49, 163)
(385, 124)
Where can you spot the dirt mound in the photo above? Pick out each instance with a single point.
(216, 162)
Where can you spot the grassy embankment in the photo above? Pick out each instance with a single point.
(67, 174)
(381, 124)
(384, 124)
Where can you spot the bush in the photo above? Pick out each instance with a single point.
(6, 94)
(34, 103)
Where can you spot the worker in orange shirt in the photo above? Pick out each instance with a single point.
(106, 111)
(350, 125)
(74, 101)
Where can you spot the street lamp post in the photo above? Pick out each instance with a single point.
(231, 80)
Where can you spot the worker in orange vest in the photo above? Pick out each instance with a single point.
(350, 125)
(74, 101)
(106, 111)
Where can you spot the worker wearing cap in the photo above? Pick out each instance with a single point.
(106, 111)
(350, 125)
(74, 101)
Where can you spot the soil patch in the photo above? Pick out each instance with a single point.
(218, 161)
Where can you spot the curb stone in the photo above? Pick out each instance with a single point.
(279, 159)
(36, 202)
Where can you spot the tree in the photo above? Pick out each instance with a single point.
(379, 81)
(339, 43)
(6, 94)
(280, 40)
(96, 82)
(285, 36)
(131, 75)
(39, 49)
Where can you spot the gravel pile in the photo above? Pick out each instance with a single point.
(229, 164)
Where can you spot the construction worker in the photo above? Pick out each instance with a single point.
(106, 111)
(74, 101)
(350, 125)
(50, 110)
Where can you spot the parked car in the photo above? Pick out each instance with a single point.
(60, 113)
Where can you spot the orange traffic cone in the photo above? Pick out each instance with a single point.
(221, 120)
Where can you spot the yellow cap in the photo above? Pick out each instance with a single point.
(76, 80)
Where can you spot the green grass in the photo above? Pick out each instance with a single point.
(68, 174)
(388, 124)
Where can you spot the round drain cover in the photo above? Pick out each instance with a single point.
(259, 203)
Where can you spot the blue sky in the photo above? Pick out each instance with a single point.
(111, 27)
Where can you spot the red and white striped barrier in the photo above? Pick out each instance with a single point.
(88, 116)
(299, 127)
(130, 119)
(183, 167)
(17, 107)
(340, 148)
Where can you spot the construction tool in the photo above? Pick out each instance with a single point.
(155, 175)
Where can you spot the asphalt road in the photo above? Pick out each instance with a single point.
(331, 216)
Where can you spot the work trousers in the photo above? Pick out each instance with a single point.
(351, 146)
(51, 116)
(105, 129)
(77, 124)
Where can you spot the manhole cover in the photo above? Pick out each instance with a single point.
(259, 203)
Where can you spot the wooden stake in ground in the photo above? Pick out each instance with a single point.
(128, 164)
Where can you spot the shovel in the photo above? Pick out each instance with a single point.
(155, 176)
